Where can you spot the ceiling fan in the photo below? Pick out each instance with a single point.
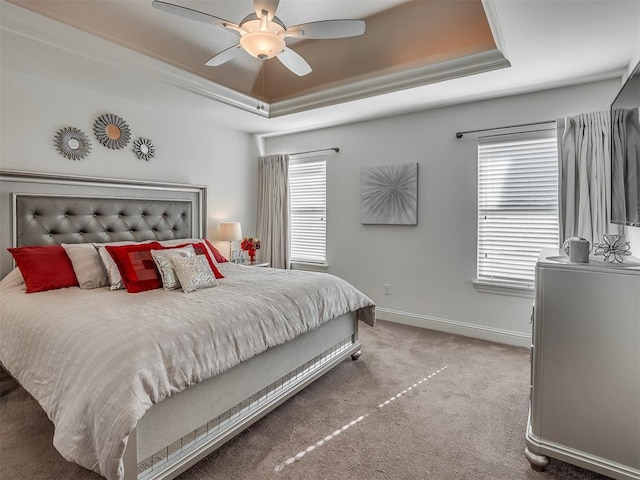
(263, 35)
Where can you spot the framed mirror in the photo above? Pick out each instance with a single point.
(144, 149)
(72, 143)
(112, 131)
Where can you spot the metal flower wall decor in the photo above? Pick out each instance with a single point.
(112, 131)
(144, 149)
(72, 143)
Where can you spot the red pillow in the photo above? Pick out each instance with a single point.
(44, 268)
(218, 256)
(200, 249)
(136, 265)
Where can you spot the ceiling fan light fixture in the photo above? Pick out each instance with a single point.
(262, 45)
(262, 34)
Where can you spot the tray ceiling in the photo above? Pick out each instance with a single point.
(406, 43)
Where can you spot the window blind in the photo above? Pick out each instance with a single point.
(308, 209)
(517, 206)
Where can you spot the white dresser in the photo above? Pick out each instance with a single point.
(585, 367)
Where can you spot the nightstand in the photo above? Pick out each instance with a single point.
(256, 264)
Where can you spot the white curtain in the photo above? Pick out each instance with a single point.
(585, 177)
(273, 209)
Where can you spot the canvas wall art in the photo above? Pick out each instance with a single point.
(389, 195)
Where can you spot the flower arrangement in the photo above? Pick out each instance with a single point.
(250, 245)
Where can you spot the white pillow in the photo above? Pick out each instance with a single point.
(162, 259)
(194, 273)
(115, 279)
(87, 265)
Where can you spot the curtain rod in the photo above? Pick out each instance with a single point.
(460, 134)
(335, 149)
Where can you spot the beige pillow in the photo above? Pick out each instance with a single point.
(162, 259)
(194, 273)
(87, 265)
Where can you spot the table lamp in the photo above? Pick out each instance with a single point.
(230, 231)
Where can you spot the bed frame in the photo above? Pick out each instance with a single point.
(176, 433)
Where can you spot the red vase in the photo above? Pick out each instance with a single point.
(252, 255)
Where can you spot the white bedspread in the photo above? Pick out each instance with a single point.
(96, 360)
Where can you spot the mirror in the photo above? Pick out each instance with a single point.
(625, 153)
(113, 132)
(73, 144)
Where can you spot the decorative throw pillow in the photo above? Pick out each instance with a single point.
(110, 267)
(217, 255)
(201, 249)
(44, 268)
(194, 273)
(136, 265)
(165, 267)
(213, 253)
(86, 264)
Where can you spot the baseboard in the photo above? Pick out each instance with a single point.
(451, 326)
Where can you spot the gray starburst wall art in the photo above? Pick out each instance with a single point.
(389, 195)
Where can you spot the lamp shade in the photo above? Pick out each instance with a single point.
(230, 231)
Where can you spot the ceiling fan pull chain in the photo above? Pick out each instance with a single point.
(261, 103)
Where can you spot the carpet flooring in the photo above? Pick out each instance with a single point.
(464, 417)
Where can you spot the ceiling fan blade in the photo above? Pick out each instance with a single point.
(190, 13)
(267, 5)
(327, 29)
(224, 56)
(294, 62)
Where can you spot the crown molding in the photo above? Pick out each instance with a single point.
(494, 25)
(416, 77)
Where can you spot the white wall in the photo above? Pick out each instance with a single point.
(189, 147)
(430, 266)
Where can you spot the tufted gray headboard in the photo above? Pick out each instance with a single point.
(39, 209)
(53, 220)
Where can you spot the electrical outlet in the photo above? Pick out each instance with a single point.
(387, 289)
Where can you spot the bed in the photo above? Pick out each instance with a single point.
(165, 377)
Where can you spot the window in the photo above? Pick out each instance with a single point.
(517, 206)
(308, 209)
